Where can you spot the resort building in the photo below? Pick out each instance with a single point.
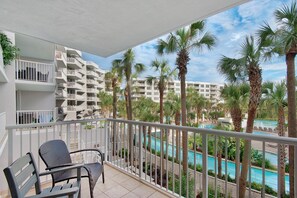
(78, 83)
(28, 91)
(141, 88)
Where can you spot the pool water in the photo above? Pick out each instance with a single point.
(256, 173)
(265, 123)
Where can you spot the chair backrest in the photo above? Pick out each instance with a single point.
(54, 153)
(21, 175)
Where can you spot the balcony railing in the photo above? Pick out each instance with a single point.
(74, 85)
(74, 73)
(61, 76)
(71, 96)
(135, 148)
(74, 62)
(60, 93)
(34, 71)
(61, 57)
(93, 82)
(35, 116)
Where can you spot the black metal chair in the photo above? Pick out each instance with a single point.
(22, 175)
(55, 154)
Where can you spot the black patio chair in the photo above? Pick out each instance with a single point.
(22, 175)
(55, 154)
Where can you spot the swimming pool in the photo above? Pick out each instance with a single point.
(265, 123)
(256, 173)
(263, 133)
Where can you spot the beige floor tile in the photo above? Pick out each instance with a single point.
(158, 195)
(143, 191)
(116, 192)
(106, 186)
(130, 184)
(130, 195)
(120, 178)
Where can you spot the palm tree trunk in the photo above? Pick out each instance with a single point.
(184, 121)
(291, 114)
(236, 118)
(114, 100)
(255, 95)
(162, 132)
(129, 117)
(220, 163)
(198, 112)
(177, 138)
(281, 147)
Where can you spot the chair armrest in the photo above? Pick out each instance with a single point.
(61, 166)
(96, 150)
(65, 192)
(78, 167)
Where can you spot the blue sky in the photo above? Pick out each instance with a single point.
(230, 28)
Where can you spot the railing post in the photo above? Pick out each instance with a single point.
(204, 166)
(140, 151)
(10, 146)
(106, 138)
(295, 170)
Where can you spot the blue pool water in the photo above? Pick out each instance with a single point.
(263, 133)
(265, 123)
(256, 173)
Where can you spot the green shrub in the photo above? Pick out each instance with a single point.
(10, 52)
(183, 185)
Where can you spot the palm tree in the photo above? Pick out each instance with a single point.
(114, 78)
(235, 97)
(284, 41)
(127, 68)
(235, 69)
(275, 94)
(197, 101)
(182, 42)
(175, 103)
(106, 103)
(165, 75)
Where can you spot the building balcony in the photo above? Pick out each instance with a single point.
(73, 63)
(139, 158)
(80, 97)
(34, 76)
(35, 116)
(71, 108)
(62, 85)
(94, 99)
(61, 77)
(61, 59)
(74, 74)
(92, 90)
(3, 76)
(74, 85)
(91, 65)
(71, 96)
(61, 94)
(92, 74)
(91, 82)
(73, 52)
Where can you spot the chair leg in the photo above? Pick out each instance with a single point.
(91, 188)
(103, 177)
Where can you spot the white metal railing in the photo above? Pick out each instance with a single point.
(135, 148)
(34, 71)
(61, 56)
(71, 96)
(71, 108)
(62, 75)
(91, 90)
(92, 73)
(60, 93)
(92, 98)
(74, 61)
(74, 85)
(89, 81)
(34, 116)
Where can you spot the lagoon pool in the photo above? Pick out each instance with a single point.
(256, 173)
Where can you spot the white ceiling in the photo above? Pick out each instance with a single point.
(104, 27)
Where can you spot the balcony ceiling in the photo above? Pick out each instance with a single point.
(104, 27)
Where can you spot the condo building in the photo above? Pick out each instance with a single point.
(142, 88)
(47, 83)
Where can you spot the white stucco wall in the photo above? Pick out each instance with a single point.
(7, 90)
(35, 100)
